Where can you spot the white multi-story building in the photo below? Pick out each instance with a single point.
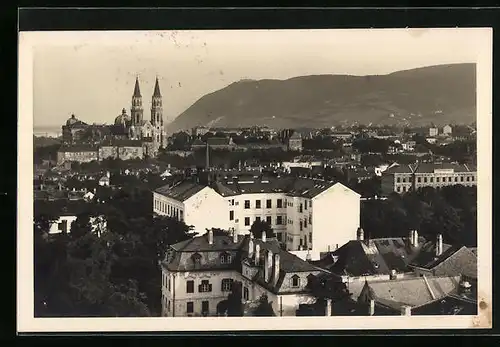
(307, 215)
(198, 274)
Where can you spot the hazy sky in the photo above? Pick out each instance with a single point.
(92, 74)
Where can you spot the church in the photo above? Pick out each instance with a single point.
(129, 136)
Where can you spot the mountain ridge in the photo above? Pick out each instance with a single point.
(440, 94)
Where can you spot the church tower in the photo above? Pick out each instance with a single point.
(157, 116)
(136, 112)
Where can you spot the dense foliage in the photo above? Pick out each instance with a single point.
(450, 211)
(110, 272)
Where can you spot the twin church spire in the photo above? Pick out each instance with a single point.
(156, 108)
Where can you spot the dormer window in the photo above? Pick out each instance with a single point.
(295, 281)
(225, 258)
(196, 259)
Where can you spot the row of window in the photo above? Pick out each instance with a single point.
(438, 179)
(205, 305)
(224, 258)
(258, 203)
(206, 287)
(279, 219)
(169, 210)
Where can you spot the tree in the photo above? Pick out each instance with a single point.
(265, 308)
(259, 226)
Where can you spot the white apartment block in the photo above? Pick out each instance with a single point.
(197, 274)
(404, 178)
(306, 214)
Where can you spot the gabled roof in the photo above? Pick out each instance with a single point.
(454, 260)
(371, 257)
(181, 191)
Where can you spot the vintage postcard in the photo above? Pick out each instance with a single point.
(196, 180)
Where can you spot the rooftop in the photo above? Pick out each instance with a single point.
(180, 191)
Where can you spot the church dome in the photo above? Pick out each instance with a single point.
(72, 120)
(123, 118)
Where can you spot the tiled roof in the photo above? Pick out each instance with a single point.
(371, 257)
(413, 292)
(430, 167)
(399, 169)
(450, 305)
(453, 261)
(181, 191)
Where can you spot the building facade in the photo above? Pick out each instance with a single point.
(295, 142)
(305, 214)
(404, 178)
(198, 275)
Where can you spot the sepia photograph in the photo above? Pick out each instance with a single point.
(193, 180)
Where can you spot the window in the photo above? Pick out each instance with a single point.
(472, 178)
(310, 237)
(226, 284)
(449, 179)
(245, 293)
(190, 287)
(461, 178)
(247, 204)
(257, 203)
(63, 226)
(437, 179)
(231, 215)
(278, 237)
(189, 307)
(310, 203)
(279, 220)
(257, 219)
(305, 205)
(305, 223)
(425, 179)
(268, 220)
(398, 180)
(300, 208)
(456, 179)
(300, 225)
(269, 203)
(468, 178)
(196, 259)
(247, 221)
(295, 281)
(300, 242)
(419, 179)
(232, 202)
(181, 215)
(225, 258)
(279, 203)
(168, 306)
(431, 179)
(205, 287)
(168, 284)
(404, 180)
(398, 189)
(204, 307)
(310, 219)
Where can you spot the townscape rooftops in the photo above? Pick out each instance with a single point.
(122, 143)
(454, 259)
(180, 191)
(413, 292)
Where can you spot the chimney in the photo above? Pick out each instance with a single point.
(276, 268)
(267, 265)
(360, 234)
(328, 310)
(439, 245)
(257, 255)
(406, 310)
(263, 236)
(411, 238)
(371, 310)
(210, 237)
(250, 249)
(235, 236)
(393, 274)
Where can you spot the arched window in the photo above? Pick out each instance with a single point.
(295, 281)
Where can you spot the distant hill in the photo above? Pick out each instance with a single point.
(440, 94)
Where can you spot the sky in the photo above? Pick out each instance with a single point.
(92, 74)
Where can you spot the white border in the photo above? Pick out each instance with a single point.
(25, 318)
